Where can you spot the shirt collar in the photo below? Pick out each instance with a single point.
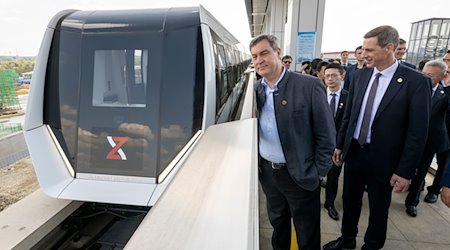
(388, 71)
(275, 87)
(338, 93)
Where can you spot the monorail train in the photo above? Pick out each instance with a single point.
(118, 98)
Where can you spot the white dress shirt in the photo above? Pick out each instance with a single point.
(383, 84)
(329, 97)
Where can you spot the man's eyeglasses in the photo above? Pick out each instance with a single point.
(334, 75)
(287, 62)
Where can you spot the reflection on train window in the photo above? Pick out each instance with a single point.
(120, 78)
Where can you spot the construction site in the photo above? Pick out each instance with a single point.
(9, 103)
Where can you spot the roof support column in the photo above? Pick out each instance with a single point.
(303, 31)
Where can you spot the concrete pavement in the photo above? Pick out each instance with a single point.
(429, 230)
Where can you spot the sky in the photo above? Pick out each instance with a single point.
(345, 23)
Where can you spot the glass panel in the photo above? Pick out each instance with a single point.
(434, 31)
(118, 79)
(118, 125)
(430, 48)
(445, 29)
(413, 32)
(441, 47)
(426, 29)
(410, 53)
(422, 48)
(419, 30)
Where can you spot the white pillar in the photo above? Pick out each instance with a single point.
(276, 17)
(304, 20)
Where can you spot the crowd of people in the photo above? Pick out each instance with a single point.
(381, 120)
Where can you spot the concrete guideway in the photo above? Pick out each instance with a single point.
(26, 222)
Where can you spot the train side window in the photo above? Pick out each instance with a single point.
(120, 78)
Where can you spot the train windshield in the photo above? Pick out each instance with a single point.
(123, 103)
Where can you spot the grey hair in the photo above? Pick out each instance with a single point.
(385, 34)
(273, 41)
(438, 64)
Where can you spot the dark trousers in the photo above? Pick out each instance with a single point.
(442, 159)
(417, 183)
(285, 199)
(332, 185)
(359, 171)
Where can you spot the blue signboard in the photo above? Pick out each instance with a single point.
(306, 43)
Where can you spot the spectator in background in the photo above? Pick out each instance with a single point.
(337, 60)
(344, 59)
(337, 97)
(360, 63)
(320, 70)
(421, 65)
(314, 63)
(437, 140)
(306, 68)
(400, 51)
(287, 61)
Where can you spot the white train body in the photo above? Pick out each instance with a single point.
(119, 98)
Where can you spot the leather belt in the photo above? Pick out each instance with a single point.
(274, 165)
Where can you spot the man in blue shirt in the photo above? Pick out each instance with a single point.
(296, 142)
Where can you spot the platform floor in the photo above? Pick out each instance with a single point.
(429, 230)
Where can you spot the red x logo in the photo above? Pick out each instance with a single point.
(116, 152)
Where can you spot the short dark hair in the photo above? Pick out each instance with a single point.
(401, 41)
(286, 57)
(385, 34)
(359, 47)
(273, 41)
(321, 64)
(448, 51)
(422, 64)
(344, 51)
(314, 63)
(335, 66)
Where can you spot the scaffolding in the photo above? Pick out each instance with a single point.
(9, 128)
(9, 103)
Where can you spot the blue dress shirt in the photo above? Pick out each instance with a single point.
(269, 140)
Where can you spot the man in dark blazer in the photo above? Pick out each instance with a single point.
(360, 63)
(337, 99)
(437, 133)
(382, 136)
(296, 142)
(400, 51)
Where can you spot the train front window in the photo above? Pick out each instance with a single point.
(120, 78)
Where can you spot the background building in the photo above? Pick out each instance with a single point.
(429, 39)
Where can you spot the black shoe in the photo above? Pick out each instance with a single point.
(431, 198)
(365, 247)
(340, 243)
(333, 213)
(411, 210)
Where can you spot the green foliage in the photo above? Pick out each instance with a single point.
(19, 64)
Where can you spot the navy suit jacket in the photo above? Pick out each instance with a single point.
(412, 66)
(400, 126)
(437, 132)
(305, 126)
(340, 109)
